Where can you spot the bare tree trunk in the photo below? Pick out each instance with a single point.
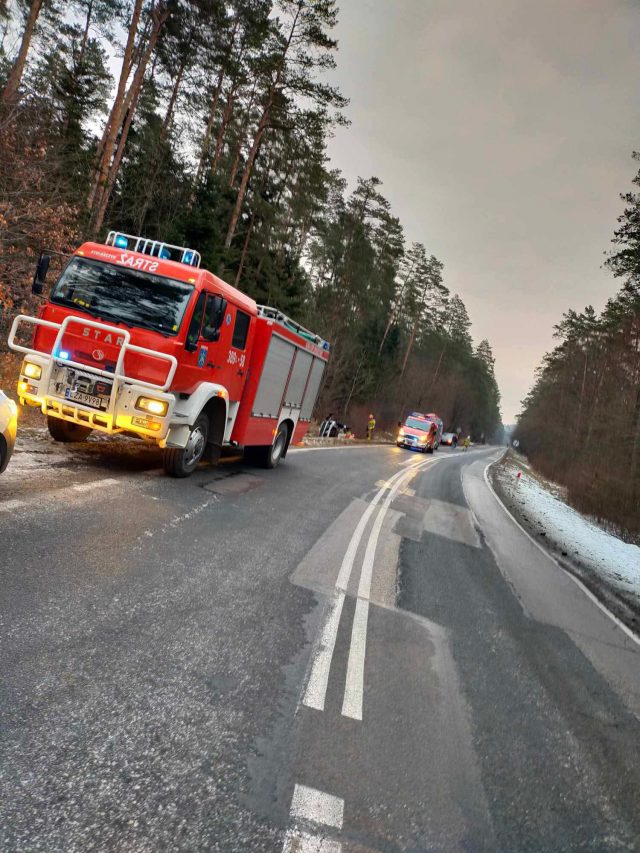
(241, 135)
(157, 151)
(594, 404)
(205, 148)
(15, 76)
(108, 174)
(206, 142)
(85, 34)
(115, 166)
(353, 388)
(246, 174)
(222, 130)
(584, 380)
(168, 116)
(409, 347)
(114, 122)
(262, 126)
(635, 448)
(245, 248)
(393, 316)
(426, 390)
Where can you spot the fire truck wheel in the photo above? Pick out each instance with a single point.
(66, 431)
(278, 447)
(183, 461)
(270, 455)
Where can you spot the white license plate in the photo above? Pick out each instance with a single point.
(81, 397)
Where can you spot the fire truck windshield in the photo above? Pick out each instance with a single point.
(123, 295)
(414, 423)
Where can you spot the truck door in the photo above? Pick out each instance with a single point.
(202, 360)
(237, 340)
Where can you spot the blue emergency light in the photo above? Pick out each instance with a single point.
(63, 354)
(155, 248)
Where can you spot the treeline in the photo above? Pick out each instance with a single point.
(581, 421)
(213, 134)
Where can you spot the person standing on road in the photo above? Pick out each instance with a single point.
(433, 436)
(466, 442)
(371, 425)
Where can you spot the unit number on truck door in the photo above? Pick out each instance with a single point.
(234, 358)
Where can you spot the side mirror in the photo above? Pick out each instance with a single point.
(211, 332)
(220, 307)
(37, 288)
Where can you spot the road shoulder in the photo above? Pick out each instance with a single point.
(608, 583)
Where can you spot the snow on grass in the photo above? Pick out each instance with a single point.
(617, 562)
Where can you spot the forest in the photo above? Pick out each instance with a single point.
(206, 123)
(581, 420)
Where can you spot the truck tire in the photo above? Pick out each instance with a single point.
(268, 456)
(67, 431)
(183, 461)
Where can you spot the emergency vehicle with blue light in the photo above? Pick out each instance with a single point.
(136, 338)
(421, 432)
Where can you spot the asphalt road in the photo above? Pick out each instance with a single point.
(359, 651)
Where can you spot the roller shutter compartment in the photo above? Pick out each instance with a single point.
(313, 387)
(298, 381)
(274, 378)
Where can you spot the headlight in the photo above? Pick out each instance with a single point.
(31, 370)
(13, 408)
(423, 439)
(154, 407)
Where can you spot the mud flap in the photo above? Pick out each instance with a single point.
(212, 453)
(177, 436)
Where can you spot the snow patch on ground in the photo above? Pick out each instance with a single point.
(574, 536)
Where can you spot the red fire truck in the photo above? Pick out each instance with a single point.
(421, 432)
(136, 338)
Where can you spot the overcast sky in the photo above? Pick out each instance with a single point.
(502, 131)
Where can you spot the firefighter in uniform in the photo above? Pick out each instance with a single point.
(371, 425)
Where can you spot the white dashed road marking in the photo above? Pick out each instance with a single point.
(317, 809)
(309, 804)
(305, 842)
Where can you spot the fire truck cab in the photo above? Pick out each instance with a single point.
(136, 338)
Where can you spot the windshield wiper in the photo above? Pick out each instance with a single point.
(83, 309)
(104, 315)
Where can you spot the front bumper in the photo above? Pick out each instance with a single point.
(412, 445)
(118, 414)
(56, 383)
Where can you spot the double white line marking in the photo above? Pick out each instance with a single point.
(316, 691)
